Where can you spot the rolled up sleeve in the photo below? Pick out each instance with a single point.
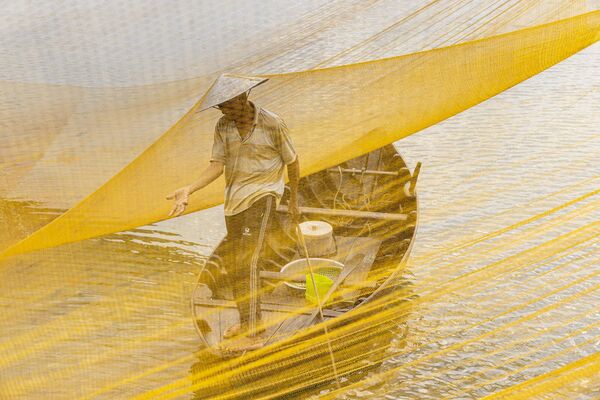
(285, 144)
(218, 149)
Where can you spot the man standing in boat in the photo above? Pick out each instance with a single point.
(252, 146)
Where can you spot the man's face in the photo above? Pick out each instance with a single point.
(234, 107)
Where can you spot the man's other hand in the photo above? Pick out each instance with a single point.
(181, 197)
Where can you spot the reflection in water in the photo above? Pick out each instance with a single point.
(20, 218)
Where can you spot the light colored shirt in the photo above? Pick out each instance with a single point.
(254, 166)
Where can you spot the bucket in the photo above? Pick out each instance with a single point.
(318, 236)
(323, 284)
(329, 269)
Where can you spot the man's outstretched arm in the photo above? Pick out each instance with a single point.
(181, 196)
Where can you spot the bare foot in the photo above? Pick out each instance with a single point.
(234, 330)
(243, 343)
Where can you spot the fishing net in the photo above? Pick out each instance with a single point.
(89, 157)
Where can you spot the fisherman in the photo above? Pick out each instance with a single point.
(252, 146)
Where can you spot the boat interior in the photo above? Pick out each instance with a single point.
(370, 203)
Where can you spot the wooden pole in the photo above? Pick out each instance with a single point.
(329, 347)
(348, 213)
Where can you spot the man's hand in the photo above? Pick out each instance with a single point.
(181, 197)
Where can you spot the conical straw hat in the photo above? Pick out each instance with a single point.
(228, 86)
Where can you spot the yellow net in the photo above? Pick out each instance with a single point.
(498, 297)
(368, 105)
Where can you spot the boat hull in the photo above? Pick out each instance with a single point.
(355, 186)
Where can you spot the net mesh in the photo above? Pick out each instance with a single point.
(505, 308)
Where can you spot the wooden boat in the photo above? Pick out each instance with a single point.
(371, 203)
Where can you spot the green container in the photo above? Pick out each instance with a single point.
(323, 285)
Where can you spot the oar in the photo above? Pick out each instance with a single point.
(319, 304)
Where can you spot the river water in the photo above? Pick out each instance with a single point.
(109, 317)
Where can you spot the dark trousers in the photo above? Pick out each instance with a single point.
(246, 233)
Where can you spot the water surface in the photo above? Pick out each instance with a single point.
(110, 317)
